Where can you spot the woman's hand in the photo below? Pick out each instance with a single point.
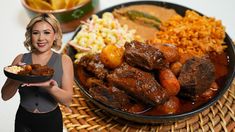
(21, 63)
(48, 84)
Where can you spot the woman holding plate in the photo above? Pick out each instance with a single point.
(38, 110)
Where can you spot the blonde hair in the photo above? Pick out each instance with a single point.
(49, 18)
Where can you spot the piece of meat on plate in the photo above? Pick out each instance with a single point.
(110, 96)
(143, 55)
(196, 76)
(93, 64)
(139, 84)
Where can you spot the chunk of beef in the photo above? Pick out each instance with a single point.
(143, 55)
(139, 84)
(109, 95)
(93, 64)
(195, 77)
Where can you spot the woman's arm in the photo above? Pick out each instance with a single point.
(10, 86)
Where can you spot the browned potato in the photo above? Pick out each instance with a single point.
(169, 51)
(176, 67)
(169, 81)
(112, 56)
(171, 106)
(28, 68)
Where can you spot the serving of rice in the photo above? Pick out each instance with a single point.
(193, 34)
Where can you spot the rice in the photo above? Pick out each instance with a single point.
(193, 34)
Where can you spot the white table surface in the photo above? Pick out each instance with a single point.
(14, 20)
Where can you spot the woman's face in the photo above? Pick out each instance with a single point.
(43, 36)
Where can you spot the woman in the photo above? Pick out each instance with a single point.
(38, 110)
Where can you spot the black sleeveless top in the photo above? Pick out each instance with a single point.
(32, 98)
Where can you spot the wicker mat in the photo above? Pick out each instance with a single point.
(83, 115)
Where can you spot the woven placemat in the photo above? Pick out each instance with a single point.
(83, 115)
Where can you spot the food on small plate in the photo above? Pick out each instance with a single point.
(14, 69)
(30, 70)
(29, 73)
(37, 70)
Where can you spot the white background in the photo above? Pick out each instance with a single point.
(14, 19)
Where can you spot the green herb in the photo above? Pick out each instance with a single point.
(133, 14)
(152, 24)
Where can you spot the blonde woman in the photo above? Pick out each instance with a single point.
(38, 110)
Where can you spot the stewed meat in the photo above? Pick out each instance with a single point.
(139, 84)
(93, 64)
(109, 95)
(196, 76)
(143, 55)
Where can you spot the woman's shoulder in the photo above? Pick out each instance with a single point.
(66, 58)
(67, 64)
(18, 58)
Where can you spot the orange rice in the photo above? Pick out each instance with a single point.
(193, 34)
